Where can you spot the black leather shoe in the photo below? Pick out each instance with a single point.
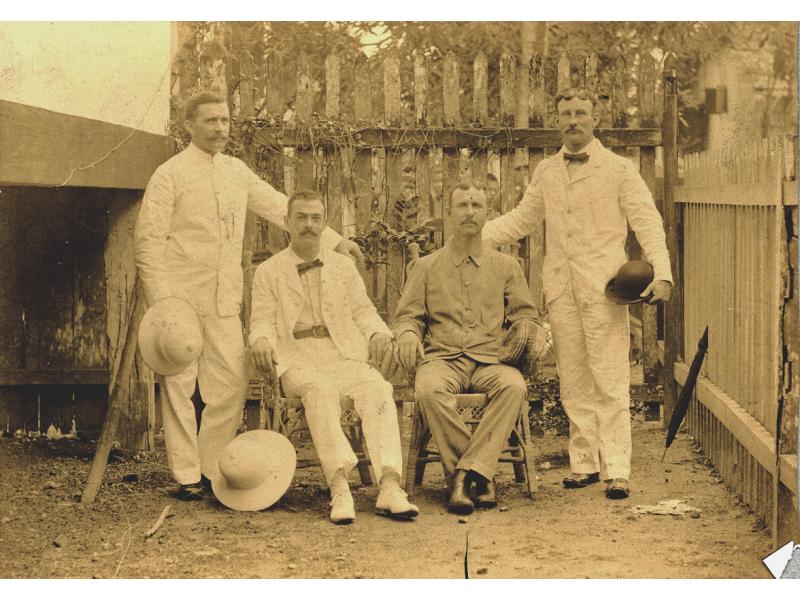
(486, 493)
(460, 503)
(189, 491)
(580, 480)
(617, 489)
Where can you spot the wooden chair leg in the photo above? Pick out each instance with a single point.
(518, 452)
(527, 449)
(357, 442)
(424, 438)
(411, 456)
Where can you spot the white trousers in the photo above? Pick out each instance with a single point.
(322, 384)
(221, 375)
(591, 341)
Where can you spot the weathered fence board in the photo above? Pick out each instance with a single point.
(735, 262)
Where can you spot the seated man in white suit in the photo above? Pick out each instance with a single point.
(313, 325)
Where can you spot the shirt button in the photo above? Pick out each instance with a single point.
(467, 308)
(466, 283)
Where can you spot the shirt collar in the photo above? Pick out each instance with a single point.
(460, 258)
(202, 156)
(296, 260)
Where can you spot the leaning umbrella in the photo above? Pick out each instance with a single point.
(682, 405)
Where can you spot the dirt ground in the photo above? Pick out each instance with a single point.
(46, 533)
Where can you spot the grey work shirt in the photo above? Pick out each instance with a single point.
(460, 304)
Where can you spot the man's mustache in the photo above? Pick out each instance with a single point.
(308, 231)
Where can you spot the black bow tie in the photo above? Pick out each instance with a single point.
(581, 157)
(305, 266)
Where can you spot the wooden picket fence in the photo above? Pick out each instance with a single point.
(384, 142)
(736, 280)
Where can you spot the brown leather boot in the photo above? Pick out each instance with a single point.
(460, 503)
(486, 493)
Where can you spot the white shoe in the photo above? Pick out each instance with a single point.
(343, 511)
(393, 502)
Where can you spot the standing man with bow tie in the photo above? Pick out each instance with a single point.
(313, 325)
(588, 196)
(188, 245)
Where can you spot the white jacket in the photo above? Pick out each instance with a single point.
(586, 222)
(189, 232)
(347, 311)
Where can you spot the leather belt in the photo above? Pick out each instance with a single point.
(318, 331)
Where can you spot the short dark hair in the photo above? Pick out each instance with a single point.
(580, 93)
(191, 105)
(307, 195)
(466, 184)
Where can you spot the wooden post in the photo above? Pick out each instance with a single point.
(247, 111)
(307, 174)
(674, 308)
(115, 403)
(395, 184)
(647, 157)
(480, 100)
(451, 115)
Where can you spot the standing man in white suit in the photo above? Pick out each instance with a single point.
(588, 196)
(188, 244)
(314, 326)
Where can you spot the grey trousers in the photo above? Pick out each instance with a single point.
(435, 384)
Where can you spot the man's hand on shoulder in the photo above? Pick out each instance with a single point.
(351, 249)
(660, 291)
(409, 347)
(263, 358)
(382, 354)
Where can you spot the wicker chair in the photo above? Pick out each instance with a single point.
(519, 451)
(286, 415)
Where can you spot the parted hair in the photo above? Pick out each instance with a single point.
(305, 194)
(581, 93)
(191, 104)
(466, 184)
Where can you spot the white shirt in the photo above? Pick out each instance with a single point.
(188, 237)
(311, 312)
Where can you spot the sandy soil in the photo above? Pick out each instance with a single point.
(45, 532)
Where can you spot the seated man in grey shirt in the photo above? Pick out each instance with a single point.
(452, 317)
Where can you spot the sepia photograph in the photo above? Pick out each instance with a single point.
(399, 300)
